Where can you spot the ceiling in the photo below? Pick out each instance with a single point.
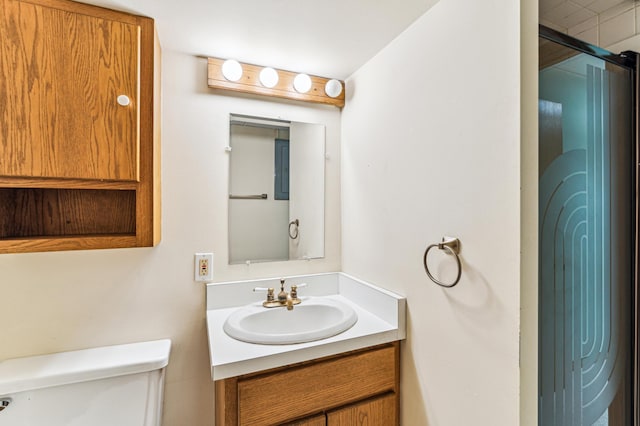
(330, 38)
(568, 13)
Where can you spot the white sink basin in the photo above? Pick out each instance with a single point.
(314, 319)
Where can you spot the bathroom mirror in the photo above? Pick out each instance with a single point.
(276, 190)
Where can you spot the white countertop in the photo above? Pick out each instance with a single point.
(381, 319)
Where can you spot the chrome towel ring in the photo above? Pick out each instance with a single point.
(293, 234)
(452, 246)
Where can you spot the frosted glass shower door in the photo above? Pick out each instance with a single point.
(585, 239)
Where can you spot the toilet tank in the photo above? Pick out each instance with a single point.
(112, 385)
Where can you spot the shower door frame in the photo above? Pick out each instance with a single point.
(630, 61)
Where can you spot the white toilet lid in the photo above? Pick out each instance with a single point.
(36, 372)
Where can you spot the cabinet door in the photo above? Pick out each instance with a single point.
(380, 411)
(61, 74)
(319, 420)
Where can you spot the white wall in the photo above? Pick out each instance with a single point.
(53, 302)
(431, 147)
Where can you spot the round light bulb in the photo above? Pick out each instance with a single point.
(269, 77)
(232, 70)
(333, 88)
(302, 83)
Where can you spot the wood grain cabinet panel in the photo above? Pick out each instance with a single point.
(60, 212)
(60, 78)
(79, 166)
(382, 411)
(320, 420)
(302, 391)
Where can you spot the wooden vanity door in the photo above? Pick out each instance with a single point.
(380, 411)
(319, 420)
(61, 72)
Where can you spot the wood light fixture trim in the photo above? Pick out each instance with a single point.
(250, 83)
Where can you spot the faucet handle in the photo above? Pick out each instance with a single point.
(294, 290)
(269, 291)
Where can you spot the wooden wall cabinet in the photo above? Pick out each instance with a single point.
(356, 388)
(79, 132)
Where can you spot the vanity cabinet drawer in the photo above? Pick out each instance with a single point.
(314, 387)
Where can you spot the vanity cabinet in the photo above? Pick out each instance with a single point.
(319, 420)
(377, 411)
(381, 411)
(360, 387)
(79, 133)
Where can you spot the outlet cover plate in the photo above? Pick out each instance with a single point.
(203, 267)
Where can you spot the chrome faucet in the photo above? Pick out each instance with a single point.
(284, 299)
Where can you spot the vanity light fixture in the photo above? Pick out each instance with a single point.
(333, 88)
(269, 77)
(232, 70)
(302, 83)
(231, 75)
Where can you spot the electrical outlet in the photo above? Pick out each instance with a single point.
(204, 267)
